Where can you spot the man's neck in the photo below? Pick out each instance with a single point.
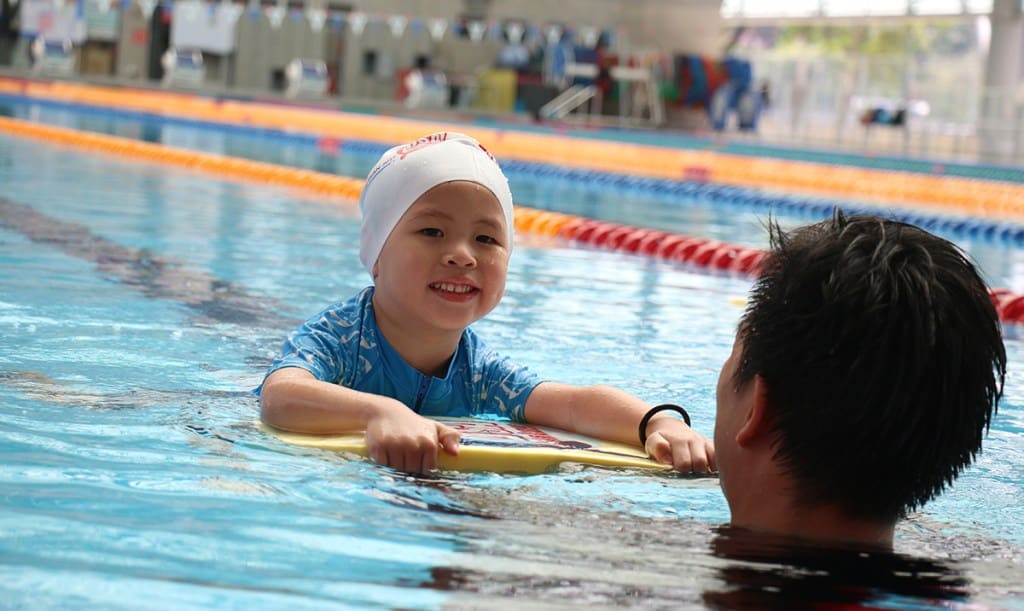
(764, 499)
(783, 515)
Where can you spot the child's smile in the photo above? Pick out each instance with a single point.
(458, 291)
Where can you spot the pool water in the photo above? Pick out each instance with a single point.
(140, 303)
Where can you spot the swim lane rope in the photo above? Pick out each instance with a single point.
(938, 190)
(699, 252)
(967, 202)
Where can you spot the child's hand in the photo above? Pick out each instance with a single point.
(404, 440)
(674, 443)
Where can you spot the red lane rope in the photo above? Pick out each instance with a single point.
(700, 252)
(712, 254)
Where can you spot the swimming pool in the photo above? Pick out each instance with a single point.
(140, 303)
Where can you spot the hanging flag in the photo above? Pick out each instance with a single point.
(316, 17)
(357, 21)
(477, 29)
(515, 30)
(554, 33)
(437, 28)
(397, 24)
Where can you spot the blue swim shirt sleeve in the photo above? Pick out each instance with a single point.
(326, 345)
(500, 386)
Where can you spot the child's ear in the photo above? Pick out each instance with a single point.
(374, 272)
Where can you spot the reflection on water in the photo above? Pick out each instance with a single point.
(553, 555)
(775, 572)
(157, 277)
(196, 493)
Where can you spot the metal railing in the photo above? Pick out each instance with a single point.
(822, 105)
(568, 101)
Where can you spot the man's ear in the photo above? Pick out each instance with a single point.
(758, 422)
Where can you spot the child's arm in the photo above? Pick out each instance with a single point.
(293, 399)
(609, 413)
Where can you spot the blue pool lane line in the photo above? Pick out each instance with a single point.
(718, 255)
(679, 192)
(674, 140)
(154, 276)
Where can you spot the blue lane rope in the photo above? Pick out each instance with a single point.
(679, 192)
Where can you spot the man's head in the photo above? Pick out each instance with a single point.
(407, 171)
(876, 354)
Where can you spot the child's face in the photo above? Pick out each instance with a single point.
(444, 265)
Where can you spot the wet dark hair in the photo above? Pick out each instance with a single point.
(883, 360)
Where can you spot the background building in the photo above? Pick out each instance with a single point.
(922, 77)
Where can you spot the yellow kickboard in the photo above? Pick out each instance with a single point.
(499, 447)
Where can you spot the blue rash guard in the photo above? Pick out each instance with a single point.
(343, 345)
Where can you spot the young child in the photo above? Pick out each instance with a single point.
(436, 237)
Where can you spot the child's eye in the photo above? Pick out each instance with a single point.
(433, 232)
(486, 239)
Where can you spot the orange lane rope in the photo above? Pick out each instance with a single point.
(699, 252)
(938, 192)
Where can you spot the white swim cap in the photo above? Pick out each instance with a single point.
(406, 172)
